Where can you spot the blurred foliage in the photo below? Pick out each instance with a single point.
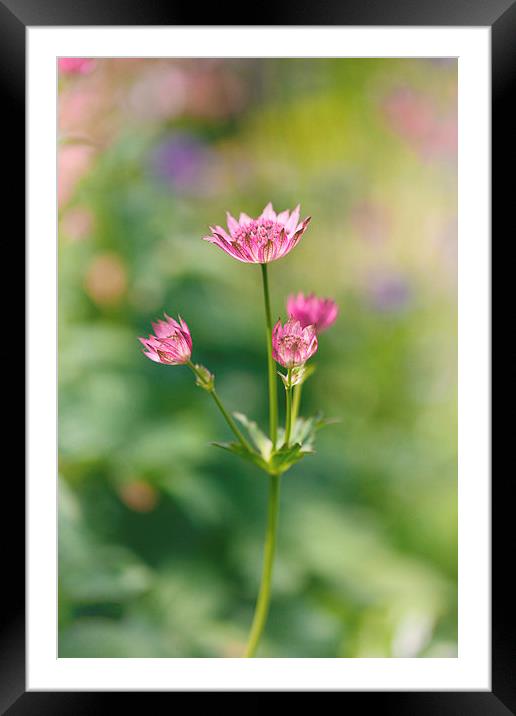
(160, 538)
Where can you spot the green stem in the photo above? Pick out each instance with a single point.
(262, 603)
(273, 393)
(296, 402)
(230, 421)
(224, 412)
(288, 415)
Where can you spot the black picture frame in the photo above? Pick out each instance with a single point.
(500, 15)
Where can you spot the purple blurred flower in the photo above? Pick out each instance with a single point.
(183, 161)
(388, 293)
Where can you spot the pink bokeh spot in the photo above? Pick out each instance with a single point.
(75, 65)
(74, 161)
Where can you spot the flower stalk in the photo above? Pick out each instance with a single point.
(264, 595)
(288, 415)
(209, 386)
(273, 393)
(296, 402)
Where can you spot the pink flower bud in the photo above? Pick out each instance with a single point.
(171, 344)
(293, 345)
(260, 241)
(311, 310)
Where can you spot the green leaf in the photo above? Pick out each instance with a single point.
(305, 429)
(284, 378)
(237, 449)
(260, 440)
(301, 374)
(278, 462)
(298, 375)
(285, 457)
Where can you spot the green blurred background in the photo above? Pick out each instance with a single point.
(160, 534)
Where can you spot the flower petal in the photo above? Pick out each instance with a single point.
(268, 213)
(292, 222)
(232, 223)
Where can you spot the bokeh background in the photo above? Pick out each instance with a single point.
(160, 534)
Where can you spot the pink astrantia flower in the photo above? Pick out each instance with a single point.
(75, 65)
(293, 345)
(260, 241)
(171, 344)
(311, 310)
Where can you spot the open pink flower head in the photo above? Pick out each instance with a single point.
(261, 240)
(293, 345)
(171, 344)
(311, 310)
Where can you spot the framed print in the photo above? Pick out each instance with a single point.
(258, 355)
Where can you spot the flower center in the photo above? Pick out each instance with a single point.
(258, 232)
(292, 343)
